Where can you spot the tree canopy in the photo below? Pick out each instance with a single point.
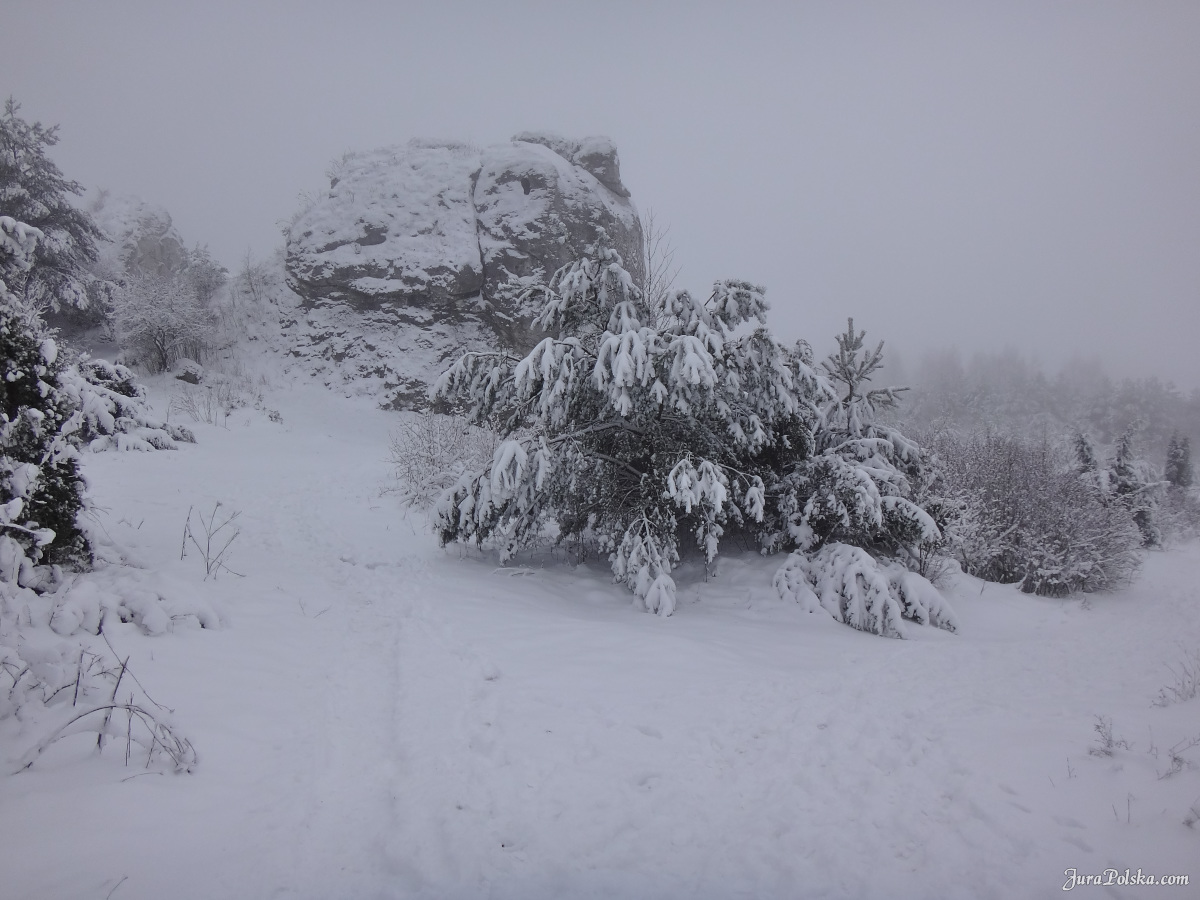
(33, 190)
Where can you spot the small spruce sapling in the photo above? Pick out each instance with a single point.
(1135, 487)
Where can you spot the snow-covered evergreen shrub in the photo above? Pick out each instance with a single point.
(646, 424)
(115, 415)
(1178, 470)
(1029, 515)
(1135, 486)
(857, 488)
(853, 588)
(41, 488)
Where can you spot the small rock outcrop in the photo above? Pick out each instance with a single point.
(431, 241)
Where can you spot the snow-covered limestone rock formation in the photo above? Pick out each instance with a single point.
(141, 237)
(424, 249)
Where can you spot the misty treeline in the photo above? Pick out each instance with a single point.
(1008, 392)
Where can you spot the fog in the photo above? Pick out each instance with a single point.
(979, 176)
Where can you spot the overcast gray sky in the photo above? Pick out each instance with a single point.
(983, 175)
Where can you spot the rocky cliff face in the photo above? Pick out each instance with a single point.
(424, 245)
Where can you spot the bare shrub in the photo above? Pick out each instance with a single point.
(1175, 755)
(219, 532)
(431, 452)
(1193, 815)
(152, 734)
(139, 725)
(212, 403)
(1186, 681)
(1106, 743)
(658, 257)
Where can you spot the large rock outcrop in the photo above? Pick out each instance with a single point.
(426, 246)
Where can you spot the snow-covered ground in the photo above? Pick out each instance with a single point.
(381, 718)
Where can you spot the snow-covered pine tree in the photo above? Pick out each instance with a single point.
(1178, 470)
(33, 190)
(629, 425)
(1135, 487)
(856, 486)
(852, 502)
(642, 423)
(41, 488)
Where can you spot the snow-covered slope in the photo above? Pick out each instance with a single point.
(383, 718)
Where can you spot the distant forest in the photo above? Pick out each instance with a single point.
(1005, 392)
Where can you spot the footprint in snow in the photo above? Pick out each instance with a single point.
(1068, 822)
(1076, 842)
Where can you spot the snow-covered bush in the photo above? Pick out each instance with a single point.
(212, 397)
(1029, 514)
(431, 452)
(858, 486)
(643, 425)
(60, 677)
(853, 588)
(115, 415)
(160, 319)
